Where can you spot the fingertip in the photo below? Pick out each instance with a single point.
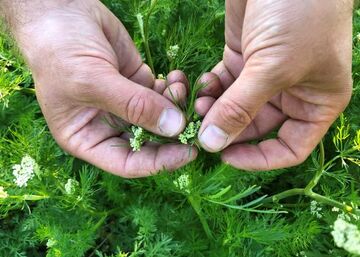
(211, 85)
(190, 153)
(177, 76)
(213, 139)
(226, 78)
(159, 86)
(176, 92)
(203, 105)
(193, 153)
(171, 122)
(143, 76)
(227, 155)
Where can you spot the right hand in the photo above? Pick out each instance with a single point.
(85, 66)
(286, 65)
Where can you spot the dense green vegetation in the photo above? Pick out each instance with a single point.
(70, 208)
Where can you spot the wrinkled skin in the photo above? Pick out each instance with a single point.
(85, 66)
(286, 64)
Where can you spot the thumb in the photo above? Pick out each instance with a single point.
(136, 104)
(236, 108)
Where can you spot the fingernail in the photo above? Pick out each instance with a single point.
(213, 138)
(171, 122)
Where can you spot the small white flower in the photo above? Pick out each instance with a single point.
(172, 52)
(50, 243)
(183, 182)
(344, 216)
(347, 236)
(315, 209)
(70, 186)
(190, 132)
(348, 216)
(3, 193)
(335, 209)
(161, 76)
(138, 138)
(24, 171)
(302, 253)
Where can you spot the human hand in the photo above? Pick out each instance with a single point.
(285, 63)
(85, 66)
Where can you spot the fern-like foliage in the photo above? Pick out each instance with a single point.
(207, 208)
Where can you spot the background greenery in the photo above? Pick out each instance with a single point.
(106, 215)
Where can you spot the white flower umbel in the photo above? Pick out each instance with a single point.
(190, 132)
(347, 236)
(138, 138)
(24, 171)
(344, 216)
(70, 186)
(358, 36)
(315, 209)
(302, 253)
(335, 209)
(172, 52)
(183, 183)
(51, 243)
(161, 76)
(3, 193)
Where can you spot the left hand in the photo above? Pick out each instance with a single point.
(85, 66)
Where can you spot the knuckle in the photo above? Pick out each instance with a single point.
(276, 68)
(300, 157)
(136, 107)
(296, 156)
(233, 114)
(75, 144)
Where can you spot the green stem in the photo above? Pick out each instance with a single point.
(29, 197)
(28, 90)
(334, 203)
(308, 190)
(315, 180)
(196, 206)
(99, 245)
(145, 35)
(288, 193)
(99, 223)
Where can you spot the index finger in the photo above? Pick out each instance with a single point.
(295, 142)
